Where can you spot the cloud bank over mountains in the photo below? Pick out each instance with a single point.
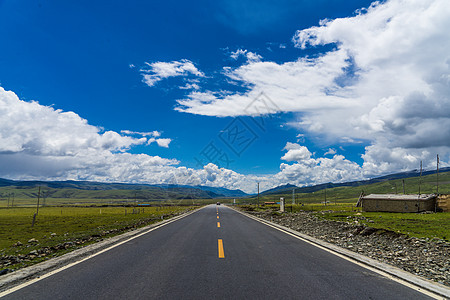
(42, 143)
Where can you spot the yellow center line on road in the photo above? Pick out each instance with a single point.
(221, 253)
(217, 217)
(218, 224)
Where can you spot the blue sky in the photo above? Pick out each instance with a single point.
(133, 91)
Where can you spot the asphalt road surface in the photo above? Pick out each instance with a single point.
(194, 258)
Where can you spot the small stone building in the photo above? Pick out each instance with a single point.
(397, 203)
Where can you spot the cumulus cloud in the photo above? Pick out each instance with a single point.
(250, 56)
(307, 170)
(153, 136)
(295, 152)
(385, 83)
(157, 71)
(293, 86)
(38, 141)
(28, 127)
(163, 142)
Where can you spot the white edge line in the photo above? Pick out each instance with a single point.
(353, 260)
(30, 282)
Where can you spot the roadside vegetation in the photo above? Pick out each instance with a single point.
(420, 225)
(60, 229)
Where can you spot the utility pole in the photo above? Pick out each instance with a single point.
(258, 194)
(293, 196)
(437, 174)
(420, 177)
(39, 195)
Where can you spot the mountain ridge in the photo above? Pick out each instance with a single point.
(171, 189)
(287, 188)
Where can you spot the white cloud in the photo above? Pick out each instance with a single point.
(295, 152)
(153, 137)
(190, 86)
(250, 56)
(330, 151)
(309, 171)
(150, 134)
(163, 142)
(293, 86)
(38, 141)
(158, 71)
(30, 128)
(386, 84)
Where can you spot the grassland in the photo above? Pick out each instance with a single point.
(434, 225)
(420, 225)
(61, 229)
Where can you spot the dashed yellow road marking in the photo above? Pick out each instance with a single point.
(217, 217)
(221, 253)
(218, 224)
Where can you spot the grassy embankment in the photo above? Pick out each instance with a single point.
(69, 226)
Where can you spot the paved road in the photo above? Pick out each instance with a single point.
(185, 260)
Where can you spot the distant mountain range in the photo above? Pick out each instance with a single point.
(100, 190)
(73, 189)
(285, 189)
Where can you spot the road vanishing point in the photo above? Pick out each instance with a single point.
(215, 253)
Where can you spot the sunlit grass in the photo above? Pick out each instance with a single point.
(54, 225)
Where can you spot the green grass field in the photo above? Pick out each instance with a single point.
(78, 225)
(434, 225)
(43, 202)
